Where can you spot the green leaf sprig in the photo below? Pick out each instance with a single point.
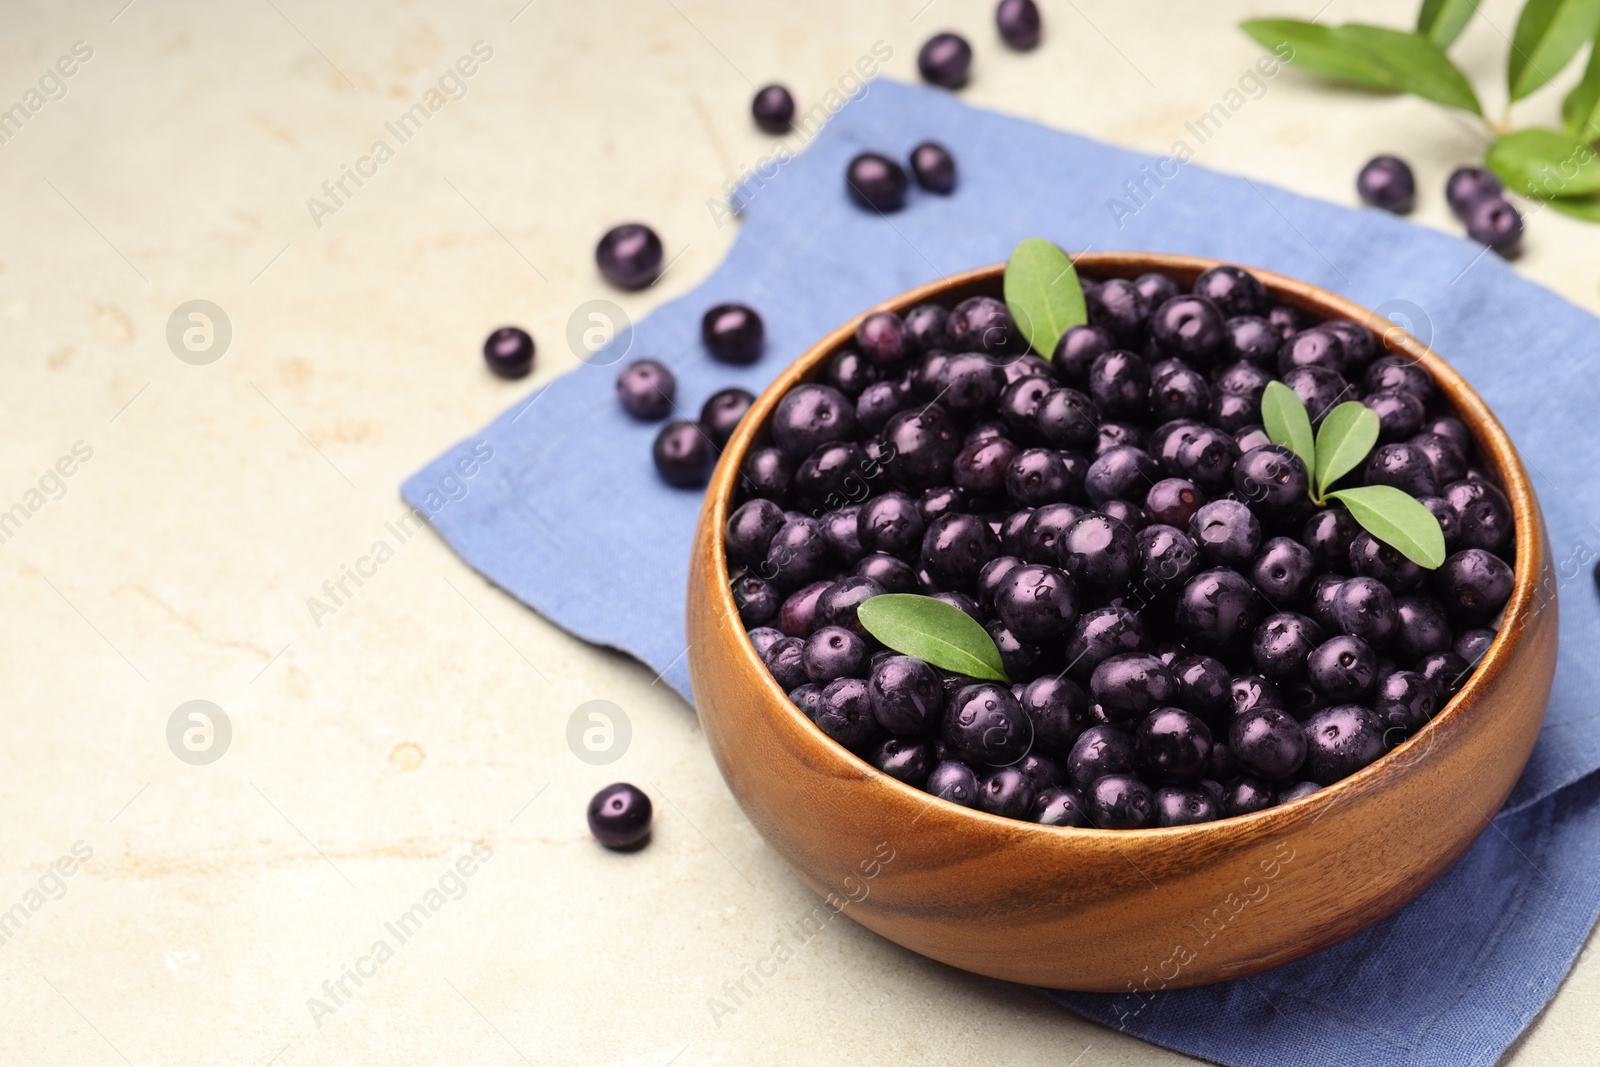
(933, 631)
(1342, 442)
(1043, 293)
(1560, 168)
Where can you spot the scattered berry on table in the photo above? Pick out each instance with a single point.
(619, 816)
(646, 390)
(1387, 182)
(945, 60)
(934, 167)
(1467, 185)
(509, 352)
(684, 454)
(1494, 222)
(773, 109)
(733, 333)
(1018, 23)
(875, 181)
(629, 255)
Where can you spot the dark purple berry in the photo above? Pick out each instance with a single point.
(955, 547)
(1189, 327)
(1177, 806)
(1316, 347)
(1474, 584)
(1281, 644)
(1167, 559)
(986, 725)
(629, 255)
(1340, 741)
(894, 575)
(798, 555)
(1077, 350)
(983, 324)
(883, 338)
(1446, 670)
(619, 816)
(758, 600)
(1099, 751)
(1342, 669)
(877, 182)
(750, 530)
(1173, 502)
(1037, 603)
(1123, 472)
(1099, 552)
(683, 454)
(1399, 414)
(1059, 711)
(954, 781)
(1131, 685)
(1120, 802)
(1282, 571)
(945, 60)
(1100, 634)
(1467, 185)
(1180, 393)
(934, 167)
(1233, 289)
(732, 333)
(1483, 515)
(1371, 558)
(812, 415)
(906, 695)
(1007, 792)
(1227, 532)
(846, 714)
(1217, 608)
(1387, 182)
(925, 327)
(1246, 796)
(904, 760)
(1404, 703)
(1171, 746)
(834, 652)
(646, 390)
(1494, 222)
(509, 353)
(1318, 388)
(1060, 807)
(1018, 23)
(1267, 742)
(1364, 608)
(784, 661)
(767, 472)
(838, 603)
(773, 109)
(721, 414)
(1120, 308)
(1328, 535)
(1402, 466)
(1271, 478)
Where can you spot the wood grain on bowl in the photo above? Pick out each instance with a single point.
(1123, 911)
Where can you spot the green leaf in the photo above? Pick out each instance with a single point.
(1284, 416)
(1548, 34)
(1586, 208)
(1345, 438)
(1580, 111)
(1395, 517)
(1441, 21)
(1419, 66)
(933, 631)
(1545, 163)
(1043, 293)
(1320, 49)
(1371, 56)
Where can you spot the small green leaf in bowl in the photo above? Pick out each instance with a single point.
(1346, 436)
(1043, 293)
(1284, 416)
(933, 631)
(1396, 518)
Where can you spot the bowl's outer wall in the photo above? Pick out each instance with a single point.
(1133, 910)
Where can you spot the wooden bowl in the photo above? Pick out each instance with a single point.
(1136, 910)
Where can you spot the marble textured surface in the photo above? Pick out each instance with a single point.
(374, 746)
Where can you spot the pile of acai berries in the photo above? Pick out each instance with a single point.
(1186, 636)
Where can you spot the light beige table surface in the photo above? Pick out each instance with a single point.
(371, 748)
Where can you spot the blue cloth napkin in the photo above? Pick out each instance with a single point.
(569, 516)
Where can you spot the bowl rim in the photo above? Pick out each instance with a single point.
(1494, 445)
